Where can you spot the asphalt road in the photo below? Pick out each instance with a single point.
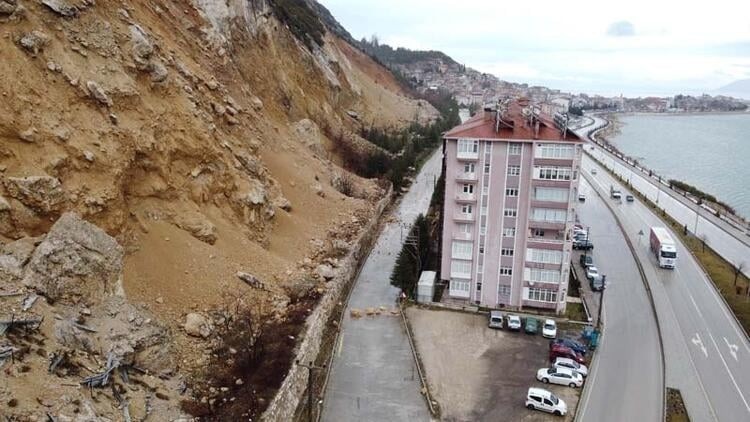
(374, 377)
(707, 354)
(626, 382)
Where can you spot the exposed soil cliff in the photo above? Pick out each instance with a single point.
(181, 140)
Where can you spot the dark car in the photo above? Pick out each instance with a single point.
(560, 351)
(583, 245)
(572, 344)
(629, 198)
(586, 261)
(532, 326)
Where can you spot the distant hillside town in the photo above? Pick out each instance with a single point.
(435, 71)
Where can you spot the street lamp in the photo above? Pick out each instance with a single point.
(310, 367)
(601, 302)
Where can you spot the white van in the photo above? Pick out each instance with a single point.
(541, 399)
(496, 319)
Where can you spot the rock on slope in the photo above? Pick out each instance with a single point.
(148, 152)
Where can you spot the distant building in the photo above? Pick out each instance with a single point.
(511, 180)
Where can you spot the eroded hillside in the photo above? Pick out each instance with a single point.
(182, 143)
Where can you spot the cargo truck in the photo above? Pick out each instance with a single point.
(663, 247)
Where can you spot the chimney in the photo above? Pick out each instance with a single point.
(536, 129)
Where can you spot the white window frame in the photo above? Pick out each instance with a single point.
(553, 173)
(511, 192)
(468, 188)
(544, 256)
(504, 290)
(465, 228)
(510, 212)
(468, 146)
(540, 295)
(460, 269)
(515, 148)
(506, 252)
(506, 270)
(541, 275)
(469, 168)
(467, 209)
(558, 151)
(461, 249)
(551, 215)
(514, 170)
(542, 193)
(509, 232)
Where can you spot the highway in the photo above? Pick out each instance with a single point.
(626, 382)
(707, 353)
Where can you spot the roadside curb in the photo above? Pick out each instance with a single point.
(644, 279)
(434, 411)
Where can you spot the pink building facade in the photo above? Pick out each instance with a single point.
(511, 182)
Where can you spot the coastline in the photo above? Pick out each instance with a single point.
(680, 113)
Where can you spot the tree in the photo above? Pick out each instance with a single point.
(737, 271)
(412, 257)
(703, 239)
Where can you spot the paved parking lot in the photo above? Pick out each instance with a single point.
(480, 374)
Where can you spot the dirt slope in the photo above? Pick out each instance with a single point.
(188, 131)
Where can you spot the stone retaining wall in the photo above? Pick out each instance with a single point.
(285, 403)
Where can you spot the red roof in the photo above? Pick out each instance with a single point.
(482, 126)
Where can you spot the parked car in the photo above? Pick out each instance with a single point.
(541, 399)
(496, 319)
(597, 283)
(532, 325)
(560, 376)
(549, 329)
(586, 260)
(571, 364)
(593, 171)
(514, 322)
(582, 197)
(560, 351)
(583, 244)
(576, 346)
(629, 198)
(592, 272)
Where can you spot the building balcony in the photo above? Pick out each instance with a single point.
(558, 243)
(466, 197)
(547, 225)
(459, 216)
(462, 236)
(550, 183)
(536, 203)
(467, 155)
(466, 177)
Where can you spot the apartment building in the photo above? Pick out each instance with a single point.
(511, 181)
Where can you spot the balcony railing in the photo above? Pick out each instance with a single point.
(469, 177)
(547, 240)
(550, 225)
(465, 197)
(462, 236)
(467, 155)
(459, 216)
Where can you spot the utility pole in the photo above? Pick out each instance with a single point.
(412, 240)
(310, 367)
(601, 302)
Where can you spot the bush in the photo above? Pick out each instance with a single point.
(302, 21)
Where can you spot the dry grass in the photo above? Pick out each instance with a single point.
(575, 312)
(676, 411)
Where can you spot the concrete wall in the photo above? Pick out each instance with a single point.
(285, 403)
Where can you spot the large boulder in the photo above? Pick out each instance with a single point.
(198, 226)
(309, 135)
(76, 260)
(197, 325)
(41, 193)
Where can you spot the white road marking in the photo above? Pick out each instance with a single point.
(698, 342)
(341, 344)
(732, 348)
(730, 373)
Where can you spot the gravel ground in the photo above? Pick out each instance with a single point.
(476, 373)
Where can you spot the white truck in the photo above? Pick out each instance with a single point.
(614, 192)
(663, 247)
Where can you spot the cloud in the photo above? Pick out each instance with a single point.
(621, 29)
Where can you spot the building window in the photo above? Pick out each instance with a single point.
(511, 192)
(514, 170)
(544, 256)
(552, 173)
(479, 287)
(541, 295)
(514, 149)
(486, 168)
(503, 290)
(510, 212)
(506, 252)
(461, 250)
(459, 286)
(460, 269)
(506, 270)
(555, 151)
(464, 228)
(551, 194)
(469, 168)
(468, 188)
(509, 232)
(549, 215)
(538, 275)
(467, 146)
(537, 233)
(466, 209)
(481, 249)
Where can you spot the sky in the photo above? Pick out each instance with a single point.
(634, 47)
